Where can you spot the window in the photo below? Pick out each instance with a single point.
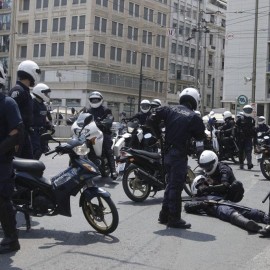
(117, 29)
(39, 50)
(211, 38)
(58, 3)
(99, 50)
(180, 49)
(210, 60)
(76, 2)
(146, 60)
(76, 48)
(147, 37)
(78, 22)
(24, 27)
(223, 23)
(181, 29)
(116, 54)
(23, 51)
(192, 53)
(118, 5)
(103, 3)
(57, 49)
(209, 79)
(186, 51)
(222, 62)
(41, 4)
(132, 33)
(133, 9)
(175, 7)
(223, 43)
(173, 48)
(148, 14)
(159, 63)
(158, 86)
(131, 57)
(194, 12)
(160, 41)
(59, 24)
(212, 18)
(25, 5)
(161, 19)
(172, 68)
(41, 26)
(100, 24)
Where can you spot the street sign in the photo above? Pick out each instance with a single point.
(242, 100)
(230, 36)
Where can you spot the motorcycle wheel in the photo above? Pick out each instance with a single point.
(189, 180)
(136, 189)
(265, 167)
(101, 213)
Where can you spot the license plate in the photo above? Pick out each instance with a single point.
(121, 167)
(259, 156)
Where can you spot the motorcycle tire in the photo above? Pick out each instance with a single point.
(189, 180)
(265, 167)
(136, 189)
(101, 213)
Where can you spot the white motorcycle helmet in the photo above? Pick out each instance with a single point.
(29, 70)
(42, 91)
(199, 180)
(3, 75)
(208, 161)
(155, 103)
(191, 96)
(145, 106)
(226, 115)
(198, 113)
(95, 99)
(248, 110)
(261, 120)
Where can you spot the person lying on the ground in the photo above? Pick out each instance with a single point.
(241, 216)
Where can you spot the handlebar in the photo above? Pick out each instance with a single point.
(50, 152)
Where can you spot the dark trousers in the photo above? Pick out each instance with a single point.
(39, 146)
(245, 148)
(108, 152)
(176, 168)
(26, 150)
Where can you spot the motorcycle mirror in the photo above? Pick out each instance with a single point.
(87, 120)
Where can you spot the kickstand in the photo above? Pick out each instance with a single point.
(264, 200)
(153, 194)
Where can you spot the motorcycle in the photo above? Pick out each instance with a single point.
(94, 137)
(262, 153)
(38, 196)
(144, 173)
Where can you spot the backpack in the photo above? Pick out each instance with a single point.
(235, 192)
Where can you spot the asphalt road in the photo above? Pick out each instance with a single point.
(140, 242)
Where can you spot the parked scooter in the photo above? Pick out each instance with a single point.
(37, 196)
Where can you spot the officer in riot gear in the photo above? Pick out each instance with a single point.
(245, 127)
(11, 134)
(28, 74)
(145, 107)
(211, 204)
(102, 113)
(41, 123)
(181, 123)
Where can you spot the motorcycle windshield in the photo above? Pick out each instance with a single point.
(81, 118)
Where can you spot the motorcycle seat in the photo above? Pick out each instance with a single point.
(28, 165)
(147, 154)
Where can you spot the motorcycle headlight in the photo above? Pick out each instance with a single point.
(130, 129)
(81, 150)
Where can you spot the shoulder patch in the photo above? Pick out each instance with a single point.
(15, 94)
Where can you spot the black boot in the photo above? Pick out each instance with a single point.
(111, 163)
(195, 207)
(9, 243)
(175, 220)
(244, 223)
(163, 215)
(265, 231)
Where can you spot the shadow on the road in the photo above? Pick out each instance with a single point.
(56, 238)
(186, 234)
(6, 261)
(148, 201)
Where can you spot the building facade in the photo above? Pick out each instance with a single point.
(240, 52)
(95, 45)
(196, 50)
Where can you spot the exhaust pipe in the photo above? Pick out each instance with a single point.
(151, 179)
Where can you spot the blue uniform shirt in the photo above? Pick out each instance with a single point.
(21, 94)
(181, 124)
(10, 118)
(39, 113)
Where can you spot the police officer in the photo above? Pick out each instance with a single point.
(145, 107)
(41, 124)
(181, 123)
(155, 103)
(11, 128)
(101, 113)
(243, 217)
(245, 127)
(262, 126)
(28, 74)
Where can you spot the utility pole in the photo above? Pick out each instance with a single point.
(140, 83)
(255, 53)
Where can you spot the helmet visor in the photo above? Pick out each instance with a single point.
(145, 106)
(207, 166)
(247, 110)
(95, 100)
